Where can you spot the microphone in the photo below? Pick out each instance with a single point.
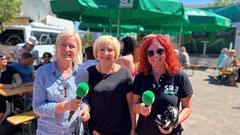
(82, 90)
(148, 98)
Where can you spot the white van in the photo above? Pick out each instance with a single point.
(46, 36)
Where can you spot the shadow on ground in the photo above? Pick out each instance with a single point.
(216, 81)
(237, 108)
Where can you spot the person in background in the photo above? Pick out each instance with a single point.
(24, 68)
(160, 72)
(140, 38)
(222, 56)
(17, 52)
(109, 95)
(89, 58)
(9, 79)
(228, 61)
(54, 90)
(46, 58)
(184, 57)
(127, 57)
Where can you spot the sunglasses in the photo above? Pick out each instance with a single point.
(159, 51)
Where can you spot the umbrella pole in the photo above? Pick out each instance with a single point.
(180, 38)
(204, 48)
(110, 23)
(118, 27)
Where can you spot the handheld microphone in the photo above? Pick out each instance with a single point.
(82, 90)
(148, 98)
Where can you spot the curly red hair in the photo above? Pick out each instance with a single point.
(172, 63)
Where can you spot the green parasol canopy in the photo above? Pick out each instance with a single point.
(201, 20)
(198, 20)
(124, 12)
(229, 11)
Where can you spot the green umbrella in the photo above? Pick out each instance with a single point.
(134, 12)
(198, 20)
(201, 20)
(229, 11)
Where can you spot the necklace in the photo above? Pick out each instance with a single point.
(105, 75)
(63, 87)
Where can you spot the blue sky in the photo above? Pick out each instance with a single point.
(192, 2)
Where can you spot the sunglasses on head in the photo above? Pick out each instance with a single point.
(159, 51)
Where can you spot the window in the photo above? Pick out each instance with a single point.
(12, 37)
(45, 38)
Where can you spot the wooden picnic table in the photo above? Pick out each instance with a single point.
(16, 91)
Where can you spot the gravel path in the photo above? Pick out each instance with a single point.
(216, 107)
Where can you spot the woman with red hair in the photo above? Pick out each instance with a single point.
(160, 72)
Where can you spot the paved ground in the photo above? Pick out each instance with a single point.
(216, 107)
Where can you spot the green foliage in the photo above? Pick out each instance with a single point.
(8, 11)
(223, 2)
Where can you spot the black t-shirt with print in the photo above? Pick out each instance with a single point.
(7, 76)
(107, 98)
(168, 91)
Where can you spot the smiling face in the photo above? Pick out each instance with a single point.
(156, 55)
(67, 49)
(106, 49)
(106, 54)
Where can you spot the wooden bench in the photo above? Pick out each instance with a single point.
(23, 118)
(193, 67)
(228, 75)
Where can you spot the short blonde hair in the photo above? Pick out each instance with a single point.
(69, 33)
(107, 40)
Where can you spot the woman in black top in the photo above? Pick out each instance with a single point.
(160, 72)
(46, 58)
(7, 75)
(109, 96)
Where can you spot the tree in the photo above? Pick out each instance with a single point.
(223, 2)
(8, 11)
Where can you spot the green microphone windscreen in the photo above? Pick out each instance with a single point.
(82, 89)
(148, 97)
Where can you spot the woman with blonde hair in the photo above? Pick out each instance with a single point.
(54, 91)
(109, 96)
